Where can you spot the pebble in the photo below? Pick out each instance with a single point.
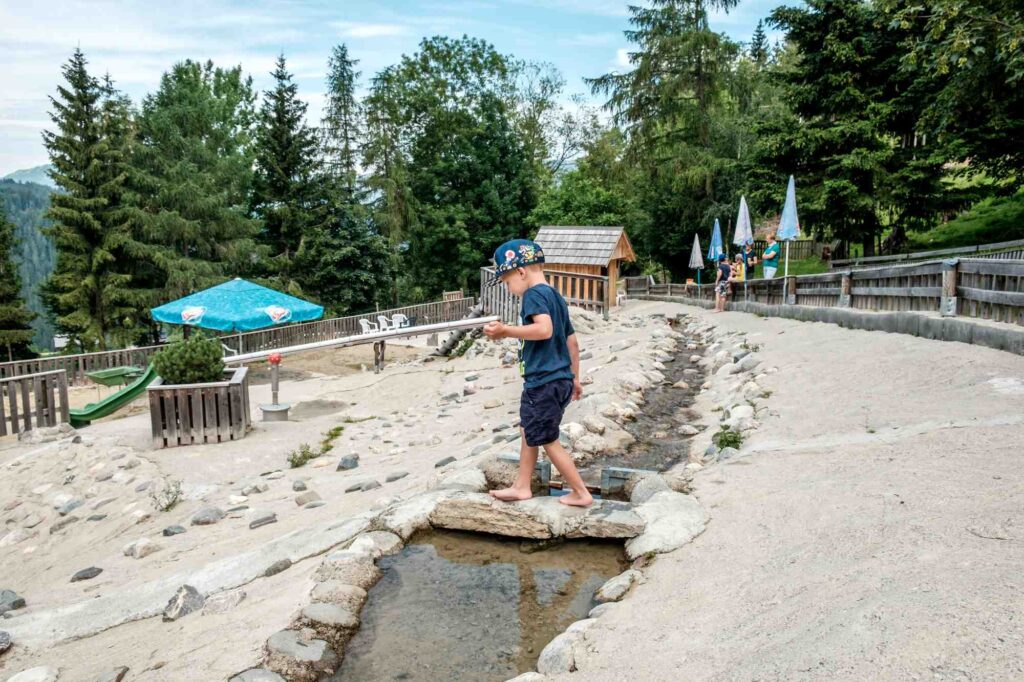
(140, 549)
(97, 517)
(115, 675)
(277, 567)
(207, 516)
(143, 487)
(10, 601)
(396, 476)
(348, 462)
(443, 462)
(370, 485)
(31, 521)
(314, 504)
(469, 389)
(260, 674)
(86, 574)
(224, 601)
(274, 475)
(306, 497)
(263, 519)
(235, 500)
(471, 377)
(298, 486)
(62, 524)
(493, 403)
(173, 530)
(354, 487)
(13, 504)
(104, 475)
(185, 601)
(321, 462)
(254, 488)
(40, 674)
(5, 641)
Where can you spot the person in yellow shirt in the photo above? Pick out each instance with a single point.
(739, 271)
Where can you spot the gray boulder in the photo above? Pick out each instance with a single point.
(207, 516)
(185, 601)
(348, 462)
(10, 601)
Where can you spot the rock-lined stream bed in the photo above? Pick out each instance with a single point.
(456, 605)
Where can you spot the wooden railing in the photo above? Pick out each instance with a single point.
(1012, 250)
(589, 292)
(32, 401)
(978, 288)
(80, 365)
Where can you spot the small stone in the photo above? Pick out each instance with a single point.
(443, 462)
(5, 641)
(369, 485)
(586, 355)
(142, 515)
(69, 507)
(274, 475)
(207, 516)
(185, 601)
(492, 403)
(255, 488)
(469, 389)
(348, 462)
(687, 430)
(263, 519)
(336, 592)
(321, 462)
(104, 475)
(396, 476)
(299, 657)
(681, 385)
(62, 524)
(10, 601)
(314, 504)
(594, 424)
(299, 486)
(306, 497)
(332, 615)
(140, 549)
(727, 453)
(86, 574)
(223, 601)
(130, 464)
(616, 588)
(277, 567)
(31, 521)
(115, 675)
(471, 377)
(40, 674)
(143, 487)
(235, 500)
(173, 530)
(354, 487)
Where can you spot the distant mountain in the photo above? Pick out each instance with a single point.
(25, 204)
(38, 175)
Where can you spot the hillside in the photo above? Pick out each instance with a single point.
(38, 175)
(25, 203)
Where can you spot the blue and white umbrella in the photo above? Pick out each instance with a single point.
(789, 224)
(744, 233)
(237, 306)
(715, 249)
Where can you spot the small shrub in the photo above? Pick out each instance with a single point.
(300, 456)
(727, 438)
(167, 497)
(196, 360)
(327, 444)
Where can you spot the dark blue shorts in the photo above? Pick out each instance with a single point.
(541, 409)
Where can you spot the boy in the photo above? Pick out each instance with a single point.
(722, 283)
(549, 360)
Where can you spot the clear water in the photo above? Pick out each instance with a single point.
(462, 606)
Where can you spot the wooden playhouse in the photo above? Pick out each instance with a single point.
(582, 262)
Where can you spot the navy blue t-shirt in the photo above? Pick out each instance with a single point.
(547, 360)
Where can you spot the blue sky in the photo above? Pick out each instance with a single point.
(137, 41)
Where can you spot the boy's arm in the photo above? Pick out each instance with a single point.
(574, 356)
(540, 329)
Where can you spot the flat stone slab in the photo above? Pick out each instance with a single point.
(333, 615)
(298, 658)
(672, 520)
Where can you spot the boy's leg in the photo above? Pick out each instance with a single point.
(580, 496)
(521, 489)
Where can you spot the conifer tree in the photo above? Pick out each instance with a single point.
(759, 44)
(15, 332)
(341, 129)
(286, 166)
(90, 291)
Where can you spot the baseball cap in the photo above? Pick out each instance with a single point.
(517, 253)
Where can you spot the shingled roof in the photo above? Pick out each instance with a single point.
(584, 245)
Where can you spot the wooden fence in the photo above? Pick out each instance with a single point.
(585, 291)
(78, 366)
(32, 401)
(989, 289)
(1013, 250)
(190, 414)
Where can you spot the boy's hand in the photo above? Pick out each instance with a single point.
(577, 389)
(495, 330)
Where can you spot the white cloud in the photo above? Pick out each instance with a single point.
(593, 39)
(356, 29)
(622, 58)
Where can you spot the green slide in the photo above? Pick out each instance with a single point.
(113, 403)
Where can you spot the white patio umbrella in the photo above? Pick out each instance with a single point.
(696, 260)
(744, 234)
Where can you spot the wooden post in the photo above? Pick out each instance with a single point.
(947, 305)
(791, 289)
(845, 291)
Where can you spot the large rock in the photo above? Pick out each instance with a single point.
(617, 587)
(469, 479)
(594, 424)
(351, 597)
(640, 488)
(502, 473)
(257, 675)
(558, 656)
(484, 514)
(590, 444)
(185, 601)
(672, 520)
(377, 543)
(332, 623)
(40, 674)
(605, 519)
(299, 656)
(351, 567)
(412, 515)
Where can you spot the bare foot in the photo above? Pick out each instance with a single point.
(511, 494)
(575, 499)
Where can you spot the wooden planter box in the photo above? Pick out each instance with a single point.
(189, 414)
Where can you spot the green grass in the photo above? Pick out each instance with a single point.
(988, 221)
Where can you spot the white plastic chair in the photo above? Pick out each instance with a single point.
(368, 327)
(398, 320)
(383, 324)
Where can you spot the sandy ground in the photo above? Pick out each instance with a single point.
(395, 421)
(873, 529)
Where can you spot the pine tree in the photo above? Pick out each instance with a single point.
(191, 176)
(341, 129)
(759, 45)
(90, 291)
(286, 166)
(15, 318)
